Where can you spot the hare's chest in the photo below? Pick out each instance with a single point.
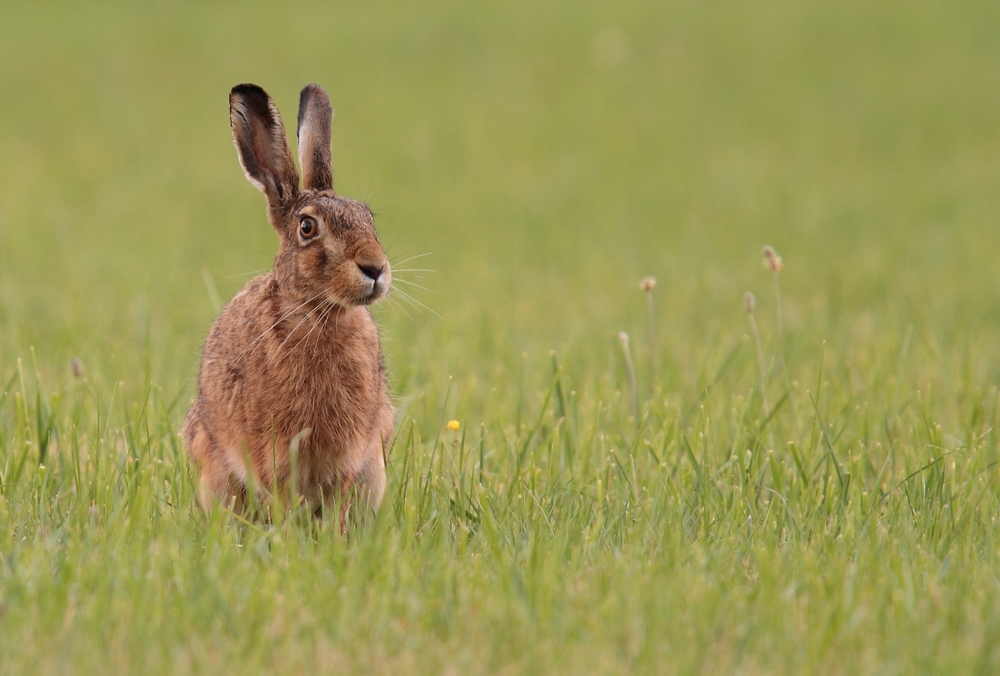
(336, 397)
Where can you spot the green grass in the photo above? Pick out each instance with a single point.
(546, 157)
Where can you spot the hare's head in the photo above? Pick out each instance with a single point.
(329, 250)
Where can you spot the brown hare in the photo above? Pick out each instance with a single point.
(292, 390)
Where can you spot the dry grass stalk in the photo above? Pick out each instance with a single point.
(630, 369)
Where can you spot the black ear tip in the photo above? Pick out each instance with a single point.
(313, 92)
(250, 97)
(251, 94)
(312, 88)
(247, 89)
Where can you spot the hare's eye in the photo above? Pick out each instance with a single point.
(307, 228)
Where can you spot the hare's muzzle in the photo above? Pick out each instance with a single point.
(371, 271)
(377, 274)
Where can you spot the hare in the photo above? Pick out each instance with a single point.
(292, 387)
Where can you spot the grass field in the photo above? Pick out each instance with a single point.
(541, 159)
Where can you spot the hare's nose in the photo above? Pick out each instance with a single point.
(372, 272)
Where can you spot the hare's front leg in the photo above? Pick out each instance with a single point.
(361, 492)
(217, 485)
(370, 485)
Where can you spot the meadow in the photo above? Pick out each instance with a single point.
(825, 503)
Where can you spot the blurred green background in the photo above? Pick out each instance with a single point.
(547, 156)
(541, 158)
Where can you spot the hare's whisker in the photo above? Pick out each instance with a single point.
(414, 285)
(280, 319)
(292, 332)
(416, 303)
(397, 306)
(303, 338)
(296, 327)
(248, 273)
(411, 258)
(395, 270)
(326, 318)
(396, 238)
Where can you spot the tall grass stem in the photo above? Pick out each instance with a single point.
(749, 304)
(647, 285)
(630, 370)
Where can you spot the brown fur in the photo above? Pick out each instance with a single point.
(293, 361)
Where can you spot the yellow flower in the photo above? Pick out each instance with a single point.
(454, 425)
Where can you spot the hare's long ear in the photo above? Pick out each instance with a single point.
(259, 136)
(315, 120)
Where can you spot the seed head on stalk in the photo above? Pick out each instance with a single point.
(772, 261)
(647, 285)
(750, 304)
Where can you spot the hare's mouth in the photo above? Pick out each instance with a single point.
(378, 291)
(375, 279)
(365, 293)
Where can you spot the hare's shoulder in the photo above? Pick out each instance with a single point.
(260, 297)
(246, 315)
